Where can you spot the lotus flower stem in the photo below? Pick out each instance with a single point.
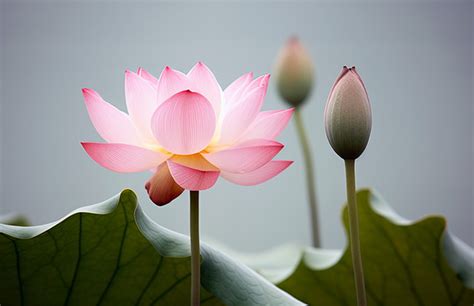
(354, 233)
(195, 249)
(310, 184)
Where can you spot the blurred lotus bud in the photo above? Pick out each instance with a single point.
(294, 72)
(347, 116)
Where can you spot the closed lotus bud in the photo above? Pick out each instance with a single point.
(347, 116)
(294, 72)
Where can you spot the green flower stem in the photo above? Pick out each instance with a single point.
(354, 233)
(195, 250)
(310, 184)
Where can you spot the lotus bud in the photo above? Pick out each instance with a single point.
(347, 115)
(294, 72)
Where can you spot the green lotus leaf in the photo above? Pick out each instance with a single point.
(111, 253)
(405, 263)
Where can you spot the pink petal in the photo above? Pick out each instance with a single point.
(204, 82)
(268, 124)
(147, 76)
(112, 124)
(141, 102)
(185, 123)
(122, 157)
(162, 188)
(245, 157)
(238, 119)
(260, 81)
(192, 179)
(258, 176)
(171, 82)
(234, 91)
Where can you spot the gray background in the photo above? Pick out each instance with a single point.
(415, 58)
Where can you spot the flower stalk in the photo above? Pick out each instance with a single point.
(195, 249)
(354, 232)
(348, 122)
(310, 182)
(295, 79)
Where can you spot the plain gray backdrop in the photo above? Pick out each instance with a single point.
(416, 59)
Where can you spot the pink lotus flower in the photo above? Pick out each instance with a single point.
(188, 131)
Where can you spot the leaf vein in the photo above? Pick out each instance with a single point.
(78, 262)
(119, 258)
(150, 281)
(170, 288)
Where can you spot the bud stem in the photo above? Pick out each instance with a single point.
(310, 184)
(195, 249)
(354, 233)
